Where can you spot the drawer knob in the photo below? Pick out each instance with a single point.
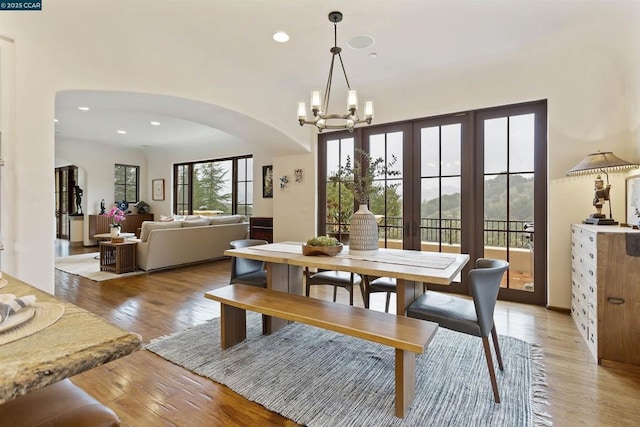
(614, 300)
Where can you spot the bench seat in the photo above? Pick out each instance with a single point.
(408, 336)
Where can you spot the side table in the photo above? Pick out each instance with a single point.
(118, 257)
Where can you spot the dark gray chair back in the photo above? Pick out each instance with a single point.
(242, 266)
(484, 282)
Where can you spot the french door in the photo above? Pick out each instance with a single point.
(473, 182)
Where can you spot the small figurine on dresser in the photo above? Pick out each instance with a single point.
(102, 208)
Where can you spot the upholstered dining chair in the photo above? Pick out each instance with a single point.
(248, 271)
(473, 317)
(342, 279)
(389, 285)
(373, 284)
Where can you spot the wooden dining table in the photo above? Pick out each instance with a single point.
(285, 263)
(76, 342)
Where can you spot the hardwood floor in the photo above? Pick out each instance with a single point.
(146, 390)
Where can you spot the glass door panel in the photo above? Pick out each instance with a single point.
(387, 203)
(440, 188)
(339, 199)
(509, 196)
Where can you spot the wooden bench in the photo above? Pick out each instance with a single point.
(408, 336)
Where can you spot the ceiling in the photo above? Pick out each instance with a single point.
(231, 42)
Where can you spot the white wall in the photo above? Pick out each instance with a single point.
(98, 162)
(295, 205)
(589, 75)
(161, 163)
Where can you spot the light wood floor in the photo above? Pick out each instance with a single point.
(146, 390)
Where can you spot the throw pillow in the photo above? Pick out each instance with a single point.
(147, 226)
(166, 218)
(229, 219)
(195, 223)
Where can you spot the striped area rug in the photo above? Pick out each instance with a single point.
(321, 378)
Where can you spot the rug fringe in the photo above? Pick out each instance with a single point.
(539, 395)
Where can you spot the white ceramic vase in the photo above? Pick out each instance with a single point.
(363, 233)
(115, 231)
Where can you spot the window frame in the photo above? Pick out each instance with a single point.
(125, 185)
(235, 182)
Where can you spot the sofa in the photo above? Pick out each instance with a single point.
(187, 240)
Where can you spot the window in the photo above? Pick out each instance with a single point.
(126, 183)
(214, 187)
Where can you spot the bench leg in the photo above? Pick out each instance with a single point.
(233, 325)
(405, 381)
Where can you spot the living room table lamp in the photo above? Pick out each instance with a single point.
(601, 163)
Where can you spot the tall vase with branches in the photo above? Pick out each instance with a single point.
(359, 176)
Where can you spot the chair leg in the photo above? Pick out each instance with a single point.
(492, 372)
(307, 284)
(350, 289)
(364, 286)
(335, 292)
(496, 346)
(386, 307)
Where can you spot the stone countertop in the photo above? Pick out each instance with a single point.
(77, 342)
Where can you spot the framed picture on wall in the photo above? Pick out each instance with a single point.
(157, 189)
(632, 198)
(267, 182)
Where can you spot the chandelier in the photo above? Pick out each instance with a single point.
(321, 119)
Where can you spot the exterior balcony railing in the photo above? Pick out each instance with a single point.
(444, 235)
(499, 233)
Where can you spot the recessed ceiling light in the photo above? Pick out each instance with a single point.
(373, 55)
(155, 123)
(55, 120)
(122, 132)
(281, 37)
(83, 108)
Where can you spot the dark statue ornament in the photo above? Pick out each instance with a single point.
(102, 208)
(143, 207)
(79, 193)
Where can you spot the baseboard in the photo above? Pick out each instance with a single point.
(559, 309)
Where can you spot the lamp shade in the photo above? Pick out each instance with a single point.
(600, 161)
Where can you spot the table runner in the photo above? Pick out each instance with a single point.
(410, 258)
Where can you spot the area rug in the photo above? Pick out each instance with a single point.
(321, 378)
(88, 266)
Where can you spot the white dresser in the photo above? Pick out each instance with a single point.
(605, 290)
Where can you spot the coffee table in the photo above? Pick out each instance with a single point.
(118, 257)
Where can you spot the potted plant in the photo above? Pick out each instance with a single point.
(322, 245)
(117, 215)
(359, 177)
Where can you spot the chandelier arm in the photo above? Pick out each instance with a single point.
(327, 90)
(346, 79)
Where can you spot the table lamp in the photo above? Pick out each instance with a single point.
(600, 163)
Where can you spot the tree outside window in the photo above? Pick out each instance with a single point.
(126, 181)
